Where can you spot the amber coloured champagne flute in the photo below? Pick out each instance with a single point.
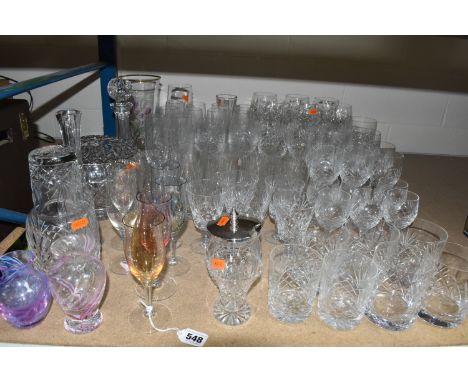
(146, 254)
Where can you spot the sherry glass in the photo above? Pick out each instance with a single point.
(206, 203)
(121, 192)
(367, 209)
(332, 207)
(173, 185)
(400, 207)
(146, 254)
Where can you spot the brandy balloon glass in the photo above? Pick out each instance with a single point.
(78, 282)
(146, 254)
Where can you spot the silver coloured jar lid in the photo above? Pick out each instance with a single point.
(234, 228)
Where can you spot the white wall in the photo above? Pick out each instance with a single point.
(417, 121)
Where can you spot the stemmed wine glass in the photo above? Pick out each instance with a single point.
(121, 192)
(400, 207)
(206, 203)
(332, 208)
(173, 185)
(146, 254)
(367, 211)
(164, 285)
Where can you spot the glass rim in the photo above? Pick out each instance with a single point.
(462, 254)
(134, 215)
(140, 78)
(178, 180)
(415, 196)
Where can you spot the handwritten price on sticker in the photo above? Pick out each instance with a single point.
(76, 225)
(223, 221)
(217, 264)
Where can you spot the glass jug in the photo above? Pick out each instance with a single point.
(234, 262)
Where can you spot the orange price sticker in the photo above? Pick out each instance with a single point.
(222, 221)
(217, 264)
(185, 98)
(132, 165)
(312, 111)
(79, 224)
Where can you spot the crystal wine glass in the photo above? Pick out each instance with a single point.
(173, 185)
(146, 254)
(121, 192)
(206, 203)
(400, 207)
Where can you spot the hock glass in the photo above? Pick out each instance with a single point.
(121, 193)
(78, 282)
(446, 302)
(206, 203)
(24, 291)
(146, 254)
(400, 207)
(173, 186)
(294, 274)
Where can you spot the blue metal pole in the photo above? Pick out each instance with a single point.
(33, 83)
(12, 216)
(107, 54)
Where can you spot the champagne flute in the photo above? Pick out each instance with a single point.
(121, 192)
(164, 286)
(173, 185)
(146, 254)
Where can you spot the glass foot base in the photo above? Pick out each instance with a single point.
(436, 321)
(238, 317)
(271, 237)
(180, 268)
(167, 288)
(116, 268)
(161, 318)
(83, 326)
(386, 324)
(116, 244)
(197, 247)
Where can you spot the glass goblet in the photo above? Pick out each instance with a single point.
(78, 282)
(400, 207)
(145, 252)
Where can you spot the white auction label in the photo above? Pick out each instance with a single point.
(124, 265)
(192, 337)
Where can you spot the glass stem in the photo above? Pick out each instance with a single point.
(149, 301)
(172, 259)
(205, 240)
